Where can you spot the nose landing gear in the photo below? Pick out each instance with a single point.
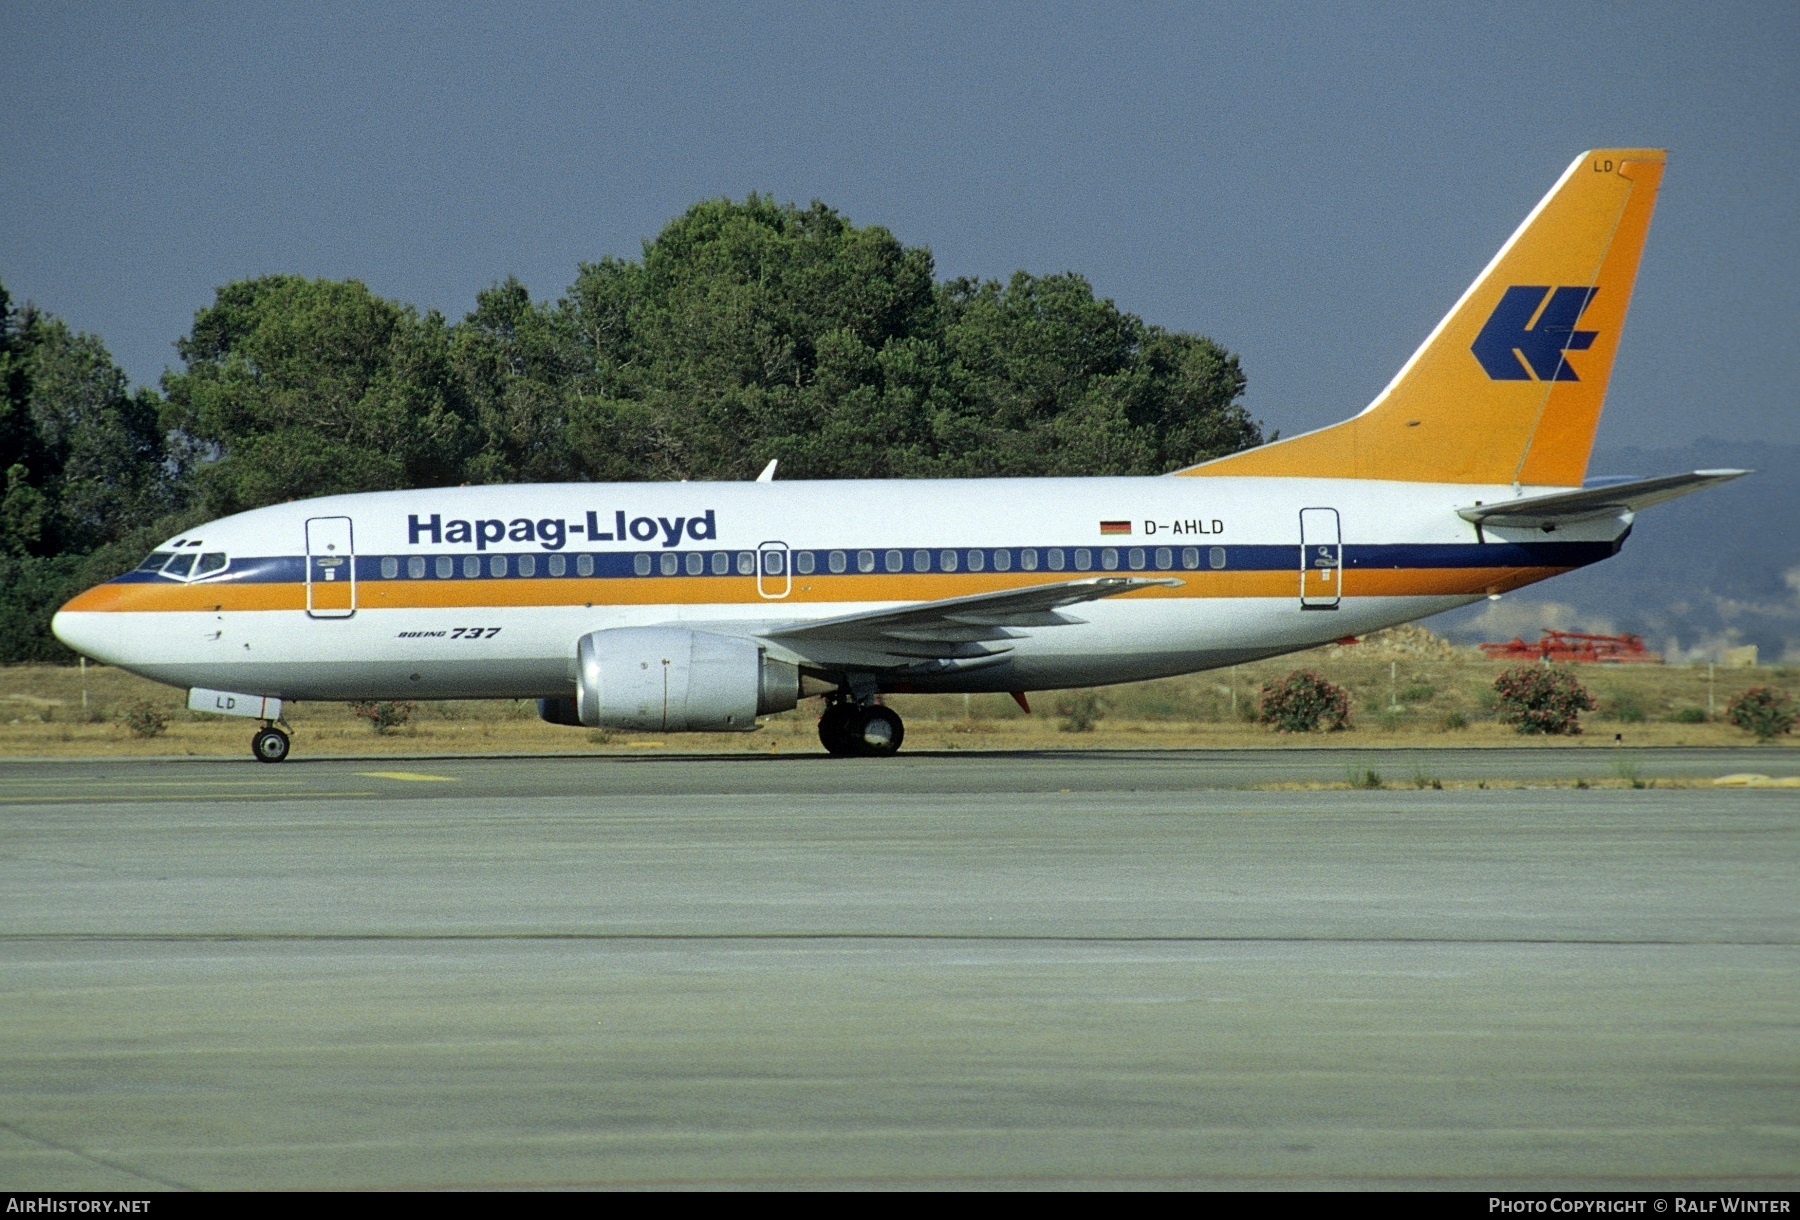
(270, 744)
(852, 730)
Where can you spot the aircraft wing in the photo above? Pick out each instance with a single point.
(1563, 507)
(955, 633)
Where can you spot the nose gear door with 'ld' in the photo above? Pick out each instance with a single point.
(1321, 559)
(330, 568)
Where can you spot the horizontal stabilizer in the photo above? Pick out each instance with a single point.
(1563, 507)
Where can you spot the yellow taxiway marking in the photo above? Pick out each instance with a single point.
(1749, 780)
(141, 783)
(412, 777)
(121, 799)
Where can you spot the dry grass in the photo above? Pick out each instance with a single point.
(1430, 696)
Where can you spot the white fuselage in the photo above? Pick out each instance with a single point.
(485, 591)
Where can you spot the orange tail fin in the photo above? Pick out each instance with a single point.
(1508, 388)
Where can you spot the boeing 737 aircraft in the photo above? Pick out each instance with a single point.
(701, 606)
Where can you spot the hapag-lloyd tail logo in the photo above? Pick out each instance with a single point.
(1525, 338)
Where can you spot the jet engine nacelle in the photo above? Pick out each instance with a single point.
(667, 679)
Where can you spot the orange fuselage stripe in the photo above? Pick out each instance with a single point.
(741, 590)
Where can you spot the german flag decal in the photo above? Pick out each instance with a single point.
(1115, 527)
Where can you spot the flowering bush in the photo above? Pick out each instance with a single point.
(1762, 710)
(144, 719)
(1080, 711)
(1303, 702)
(384, 715)
(1539, 699)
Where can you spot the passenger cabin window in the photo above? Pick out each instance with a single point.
(471, 566)
(1028, 559)
(921, 561)
(641, 565)
(1054, 558)
(670, 563)
(1165, 558)
(977, 561)
(390, 567)
(1217, 557)
(528, 565)
(1002, 561)
(721, 564)
(445, 567)
(894, 561)
(559, 564)
(1136, 559)
(415, 567)
(865, 561)
(804, 562)
(746, 563)
(1084, 560)
(584, 565)
(695, 563)
(496, 565)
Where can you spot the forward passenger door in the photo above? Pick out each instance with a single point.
(330, 568)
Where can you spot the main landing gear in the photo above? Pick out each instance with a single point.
(862, 731)
(270, 744)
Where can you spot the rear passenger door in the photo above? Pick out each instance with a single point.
(1321, 559)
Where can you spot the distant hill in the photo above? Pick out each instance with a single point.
(1697, 575)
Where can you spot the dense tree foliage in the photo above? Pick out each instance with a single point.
(83, 457)
(298, 388)
(88, 485)
(747, 331)
(753, 330)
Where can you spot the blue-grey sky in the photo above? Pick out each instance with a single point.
(1312, 185)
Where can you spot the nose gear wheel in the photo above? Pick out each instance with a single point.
(270, 744)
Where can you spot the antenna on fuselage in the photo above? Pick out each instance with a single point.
(768, 474)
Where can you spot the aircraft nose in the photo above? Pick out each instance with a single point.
(85, 632)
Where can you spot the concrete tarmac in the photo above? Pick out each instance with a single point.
(960, 970)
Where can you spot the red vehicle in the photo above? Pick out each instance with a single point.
(1565, 647)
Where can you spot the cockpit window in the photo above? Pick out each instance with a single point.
(153, 561)
(210, 562)
(178, 567)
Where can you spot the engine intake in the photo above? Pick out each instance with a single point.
(666, 679)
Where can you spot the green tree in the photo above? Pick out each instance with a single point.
(755, 331)
(82, 460)
(86, 483)
(1054, 381)
(758, 330)
(297, 388)
(546, 408)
